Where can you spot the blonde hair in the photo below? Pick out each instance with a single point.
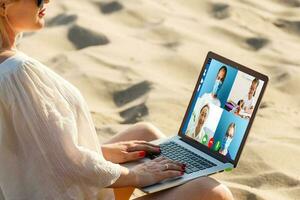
(4, 39)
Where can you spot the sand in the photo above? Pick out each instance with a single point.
(138, 60)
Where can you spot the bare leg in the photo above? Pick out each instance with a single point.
(203, 188)
(139, 131)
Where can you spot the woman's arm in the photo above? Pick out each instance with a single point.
(122, 152)
(126, 179)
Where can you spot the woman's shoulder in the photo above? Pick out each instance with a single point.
(22, 64)
(25, 70)
(13, 62)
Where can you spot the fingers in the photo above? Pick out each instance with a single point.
(170, 174)
(131, 156)
(143, 147)
(171, 169)
(148, 143)
(143, 142)
(162, 168)
(172, 166)
(166, 160)
(167, 164)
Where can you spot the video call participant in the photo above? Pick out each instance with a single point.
(213, 96)
(197, 132)
(227, 139)
(249, 99)
(237, 109)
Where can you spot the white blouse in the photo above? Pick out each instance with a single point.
(48, 144)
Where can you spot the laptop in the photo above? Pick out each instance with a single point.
(216, 123)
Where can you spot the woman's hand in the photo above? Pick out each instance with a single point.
(122, 152)
(156, 170)
(150, 172)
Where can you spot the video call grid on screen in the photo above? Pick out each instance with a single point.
(222, 107)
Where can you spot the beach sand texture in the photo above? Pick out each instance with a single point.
(138, 60)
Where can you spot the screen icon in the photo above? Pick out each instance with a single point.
(211, 142)
(217, 146)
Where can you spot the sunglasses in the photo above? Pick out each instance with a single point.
(40, 3)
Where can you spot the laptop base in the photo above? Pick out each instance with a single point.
(169, 183)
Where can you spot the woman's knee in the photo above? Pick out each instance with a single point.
(222, 192)
(217, 190)
(149, 131)
(209, 188)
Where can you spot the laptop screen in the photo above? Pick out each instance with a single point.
(222, 107)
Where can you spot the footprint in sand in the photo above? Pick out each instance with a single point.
(172, 45)
(134, 113)
(220, 10)
(82, 37)
(61, 19)
(288, 26)
(289, 3)
(279, 75)
(256, 43)
(130, 94)
(164, 36)
(110, 7)
(282, 77)
(266, 104)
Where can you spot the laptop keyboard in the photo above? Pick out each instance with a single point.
(178, 153)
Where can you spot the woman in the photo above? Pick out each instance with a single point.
(197, 133)
(48, 144)
(227, 139)
(249, 98)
